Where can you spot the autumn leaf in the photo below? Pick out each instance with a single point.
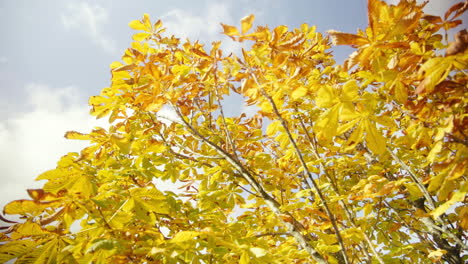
(321, 161)
(184, 236)
(77, 135)
(137, 25)
(298, 92)
(230, 31)
(246, 23)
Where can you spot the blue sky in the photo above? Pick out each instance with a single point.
(54, 54)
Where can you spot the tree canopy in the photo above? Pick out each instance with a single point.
(360, 162)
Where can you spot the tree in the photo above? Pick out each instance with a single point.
(356, 163)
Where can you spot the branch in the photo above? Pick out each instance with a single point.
(291, 225)
(273, 234)
(415, 179)
(226, 130)
(306, 170)
(335, 188)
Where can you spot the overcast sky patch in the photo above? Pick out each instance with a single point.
(33, 142)
(87, 19)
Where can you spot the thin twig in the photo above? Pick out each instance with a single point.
(306, 170)
(291, 224)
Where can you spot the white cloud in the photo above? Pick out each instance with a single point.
(437, 7)
(33, 142)
(204, 26)
(86, 18)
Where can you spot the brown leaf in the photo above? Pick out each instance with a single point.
(458, 8)
(432, 19)
(339, 38)
(459, 45)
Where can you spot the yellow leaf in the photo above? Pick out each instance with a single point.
(303, 193)
(347, 111)
(374, 139)
(51, 174)
(246, 23)
(327, 124)
(356, 137)
(29, 229)
(437, 254)
(77, 135)
(329, 239)
(401, 92)
(346, 126)
(298, 92)
(137, 25)
(368, 209)
(15, 249)
(339, 38)
(273, 128)
(458, 196)
(123, 143)
(181, 70)
(329, 248)
(436, 182)
(115, 64)
(463, 216)
(146, 20)
(434, 151)
(435, 71)
(354, 234)
(258, 252)
(244, 259)
(230, 30)
(23, 207)
(350, 91)
(128, 205)
(414, 191)
(325, 97)
(458, 170)
(183, 236)
(140, 36)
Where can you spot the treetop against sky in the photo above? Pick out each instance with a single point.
(360, 161)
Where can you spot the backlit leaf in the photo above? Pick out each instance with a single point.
(298, 92)
(246, 23)
(258, 252)
(374, 139)
(77, 135)
(184, 236)
(325, 97)
(230, 30)
(137, 25)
